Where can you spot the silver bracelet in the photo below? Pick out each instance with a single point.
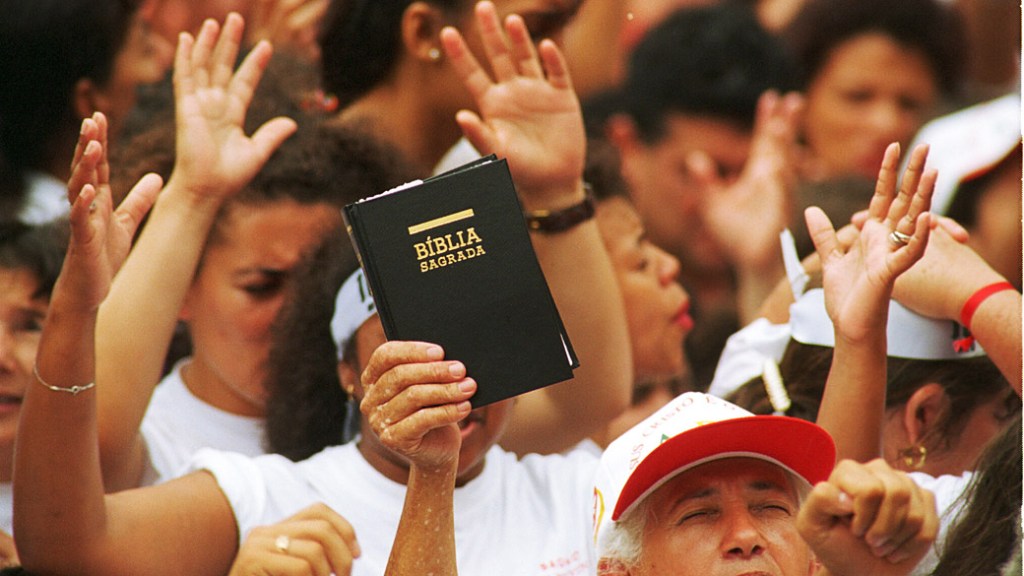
(73, 390)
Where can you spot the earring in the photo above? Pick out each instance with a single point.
(434, 54)
(914, 457)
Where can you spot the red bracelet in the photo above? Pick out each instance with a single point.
(971, 306)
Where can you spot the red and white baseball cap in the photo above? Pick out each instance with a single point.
(695, 429)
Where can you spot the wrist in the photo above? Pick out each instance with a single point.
(980, 296)
(563, 216)
(552, 198)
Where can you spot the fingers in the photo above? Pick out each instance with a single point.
(222, 60)
(909, 189)
(495, 45)
(826, 243)
(139, 200)
(202, 50)
(892, 514)
(83, 171)
(952, 227)
(473, 76)
(555, 65)
(314, 541)
(244, 82)
(102, 166)
(523, 51)
(885, 186)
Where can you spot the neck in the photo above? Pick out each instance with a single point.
(217, 392)
(404, 119)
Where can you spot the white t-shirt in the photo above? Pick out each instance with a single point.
(529, 516)
(46, 199)
(6, 508)
(947, 489)
(177, 425)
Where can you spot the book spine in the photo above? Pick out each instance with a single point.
(360, 245)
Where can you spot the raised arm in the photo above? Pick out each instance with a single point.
(745, 217)
(530, 115)
(214, 160)
(951, 275)
(413, 405)
(63, 521)
(858, 283)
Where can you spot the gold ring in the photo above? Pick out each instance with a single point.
(899, 238)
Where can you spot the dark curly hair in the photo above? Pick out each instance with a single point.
(360, 43)
(46, 47)
(712, 61)
(926, 25)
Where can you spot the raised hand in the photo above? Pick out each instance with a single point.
(214, 157)
(100, 235)
(315, 541)
(290, 25)
(868, 519)
(858, 280)
(528, 110)
(414, 400)
(746, 216)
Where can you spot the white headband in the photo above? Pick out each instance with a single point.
(353, 307)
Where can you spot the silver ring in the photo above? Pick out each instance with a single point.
(282, 543)
(899, 238)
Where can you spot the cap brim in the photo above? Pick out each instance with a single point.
(801, 446)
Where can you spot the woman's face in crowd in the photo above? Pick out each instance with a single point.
(237, 292)
(657, 307)
(870, 92)
(21, 323)
(480, 430)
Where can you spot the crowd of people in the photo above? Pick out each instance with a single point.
(784, 237)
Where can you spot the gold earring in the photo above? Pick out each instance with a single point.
(914, 457)
(434, 54)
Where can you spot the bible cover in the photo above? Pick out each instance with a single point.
(449, 260)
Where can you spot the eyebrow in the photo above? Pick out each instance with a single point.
(759, 486)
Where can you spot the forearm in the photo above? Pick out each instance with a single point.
(136, 323)
(756, 287)
(997, 326)
(58, 503)
(583, 285)
(425, 541)
(853, 404)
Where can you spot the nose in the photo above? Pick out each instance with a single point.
(668, 266)
(888, 120)
(742, 538)
(6, 349)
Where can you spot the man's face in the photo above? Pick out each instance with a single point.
(730, 517)
(665, 193)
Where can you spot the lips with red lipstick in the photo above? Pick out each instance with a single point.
(682, 317)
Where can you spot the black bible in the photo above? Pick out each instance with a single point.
(449, 260)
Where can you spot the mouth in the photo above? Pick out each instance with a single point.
(9, 402)
(683, 318)
(470, 423)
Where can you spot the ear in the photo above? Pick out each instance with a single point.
(87, 98)
(922, 411)
(350, 380)
(421, 30)
(622, 132)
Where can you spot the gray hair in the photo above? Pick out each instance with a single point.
(623, 543)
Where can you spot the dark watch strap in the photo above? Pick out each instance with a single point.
(551, 222)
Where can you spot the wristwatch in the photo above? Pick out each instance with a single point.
(554, 221)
